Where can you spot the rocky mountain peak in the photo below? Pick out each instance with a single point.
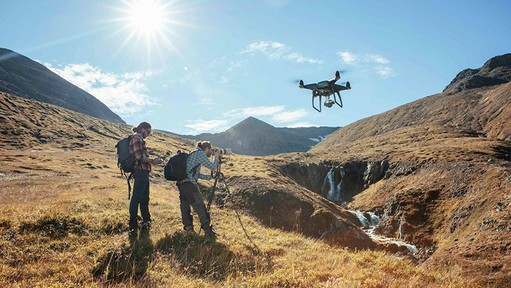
(495, 71)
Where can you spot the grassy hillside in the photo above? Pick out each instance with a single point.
(65, 213)
(439, 172)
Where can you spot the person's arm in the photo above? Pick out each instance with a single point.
(138, 151)
(204, 161)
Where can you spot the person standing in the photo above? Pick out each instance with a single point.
(140, 156)
(189, 193)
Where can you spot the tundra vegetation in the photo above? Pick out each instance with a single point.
(63, 221)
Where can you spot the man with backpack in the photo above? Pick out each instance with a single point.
(140, 157)
(189, 193)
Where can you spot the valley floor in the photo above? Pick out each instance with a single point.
(67, 227)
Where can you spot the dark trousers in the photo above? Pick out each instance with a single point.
(189, 195)
(140, 196)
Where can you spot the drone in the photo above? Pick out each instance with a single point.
(326, 89)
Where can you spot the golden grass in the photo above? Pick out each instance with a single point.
(62, 229)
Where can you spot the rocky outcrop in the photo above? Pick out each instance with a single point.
(494, 72)
(292, 208)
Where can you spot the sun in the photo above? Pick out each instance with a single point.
(146, 17)
(150, 24)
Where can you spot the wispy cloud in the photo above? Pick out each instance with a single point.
(301, 124)
(275, 51)
(289, 116)
(277, 114)
(254, 111)
(124, 93)
(374, 62)
(199, 126)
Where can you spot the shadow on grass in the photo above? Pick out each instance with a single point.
(202, 256)
(197, 255)
(126, 262)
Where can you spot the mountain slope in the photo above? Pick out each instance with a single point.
(257, 138)
(438, 171)
(23, 77)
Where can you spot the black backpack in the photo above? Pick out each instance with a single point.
(175, 169)
(124, 160)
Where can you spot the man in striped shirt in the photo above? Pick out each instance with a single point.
(189, 193)
(140, 156)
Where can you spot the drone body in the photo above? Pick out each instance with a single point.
(326, 89)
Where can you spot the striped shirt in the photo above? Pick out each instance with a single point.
(138, 151)
(195, 160)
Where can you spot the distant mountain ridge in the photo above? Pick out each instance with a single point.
(258, 138)
(26, 78)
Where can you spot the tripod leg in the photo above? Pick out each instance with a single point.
(211, 195)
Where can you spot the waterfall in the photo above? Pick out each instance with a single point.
(334, 191)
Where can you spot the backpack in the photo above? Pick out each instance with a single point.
(124, 160)
(175, 169)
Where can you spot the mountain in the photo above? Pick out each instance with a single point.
(258, 138)
(26, 78)
(437, 171)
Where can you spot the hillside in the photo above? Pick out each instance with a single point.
(257, 138)
(437, 170)
(64, 218)
(26, 78)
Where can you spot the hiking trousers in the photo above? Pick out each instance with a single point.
(189, 195)
(140, 197)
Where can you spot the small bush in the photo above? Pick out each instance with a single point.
(56, 225)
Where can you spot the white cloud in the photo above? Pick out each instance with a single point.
(289, 116)
(200, 125)
(254, 111)
(301, 124)
(374, 62)
(275, 51)
(125, 94)
(277, 114)
(347, 57)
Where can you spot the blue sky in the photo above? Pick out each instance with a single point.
(217, 62)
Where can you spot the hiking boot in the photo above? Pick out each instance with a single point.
(209, 232)
(146, 225)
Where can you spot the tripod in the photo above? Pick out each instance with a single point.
(219, 177)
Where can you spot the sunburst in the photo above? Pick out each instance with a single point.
(150, 23)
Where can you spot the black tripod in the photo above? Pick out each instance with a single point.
(225, 193)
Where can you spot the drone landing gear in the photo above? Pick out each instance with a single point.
(340, 100)
(313, 96)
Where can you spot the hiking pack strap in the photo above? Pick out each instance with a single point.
(128, 178)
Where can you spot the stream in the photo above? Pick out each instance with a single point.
(371, 223)
(368, 220)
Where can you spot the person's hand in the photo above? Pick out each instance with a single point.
(217, 153)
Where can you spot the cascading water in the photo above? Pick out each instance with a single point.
(370, 221)
(334, 191)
